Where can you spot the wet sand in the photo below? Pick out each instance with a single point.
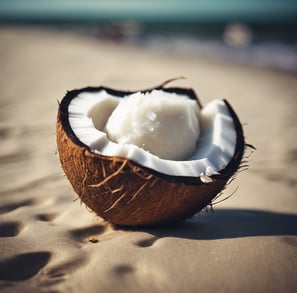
(49, 242)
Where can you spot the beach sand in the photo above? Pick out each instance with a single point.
(49, 242)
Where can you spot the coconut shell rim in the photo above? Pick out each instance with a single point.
(228, 171)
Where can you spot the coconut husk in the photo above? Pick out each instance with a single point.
(126, 193)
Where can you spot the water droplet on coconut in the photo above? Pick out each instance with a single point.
(151, 116)
(150, 127)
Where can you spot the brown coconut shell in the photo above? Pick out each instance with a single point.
(126, 193)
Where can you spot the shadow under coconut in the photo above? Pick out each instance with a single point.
(230, 223)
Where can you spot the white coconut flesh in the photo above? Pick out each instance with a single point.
(163, 131)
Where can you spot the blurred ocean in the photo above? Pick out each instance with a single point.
(237, 43)
(254, 32)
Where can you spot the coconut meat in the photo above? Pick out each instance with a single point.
(164, 131)
(162, 123)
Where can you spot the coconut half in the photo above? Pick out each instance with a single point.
(150, 157)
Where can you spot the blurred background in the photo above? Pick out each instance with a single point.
(254, 32)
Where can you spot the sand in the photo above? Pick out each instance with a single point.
(49, 242)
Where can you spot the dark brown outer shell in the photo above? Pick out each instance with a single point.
(125, 193)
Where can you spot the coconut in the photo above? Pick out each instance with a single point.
(139, 169)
